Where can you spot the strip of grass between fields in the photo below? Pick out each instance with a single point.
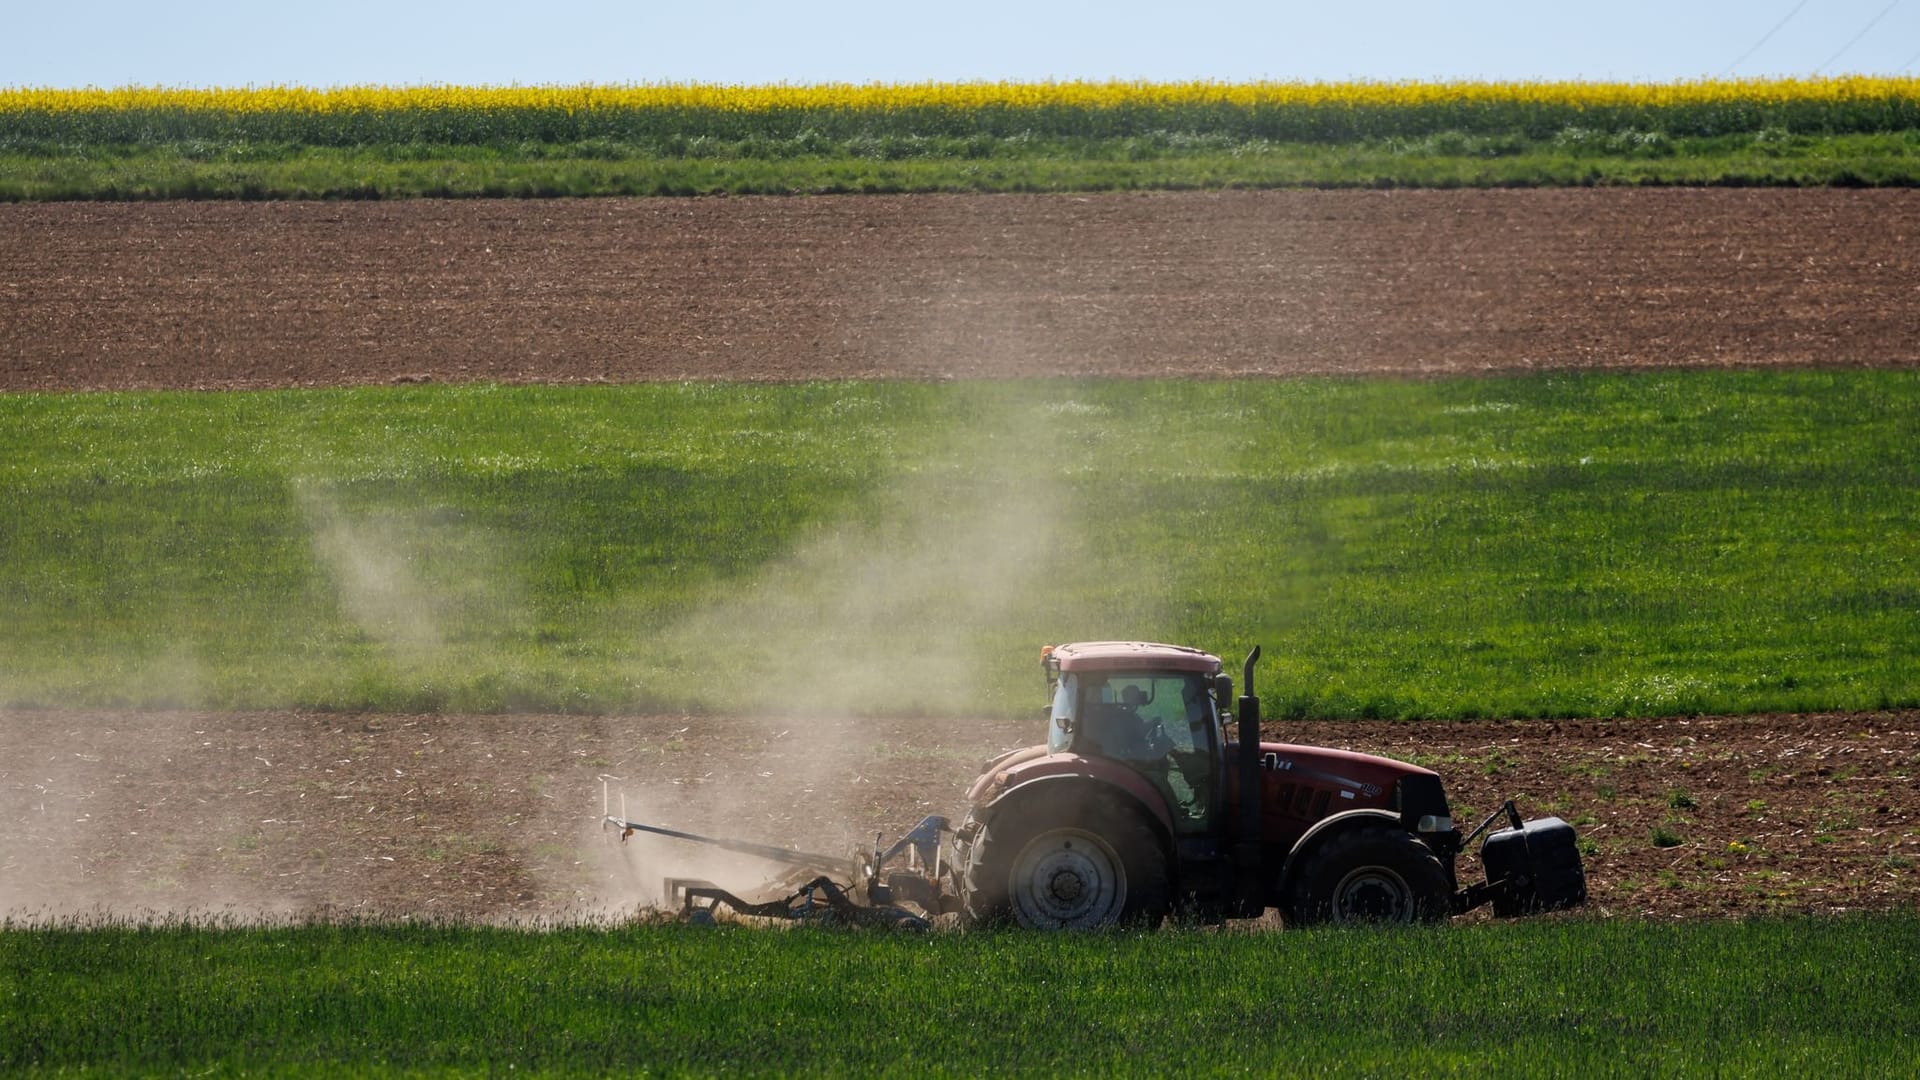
(1559, 998)
(809, 165)
(1555, 545)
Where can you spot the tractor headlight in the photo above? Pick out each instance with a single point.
(1434, 823)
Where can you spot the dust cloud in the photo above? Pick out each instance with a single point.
(900, 610)
(895, 611)
(909, 605)
(412, 578)
(108, 813)
(901, 607)
(369, 562)
(924, 592)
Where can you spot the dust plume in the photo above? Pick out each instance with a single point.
(908, 606)
(371, 567)
(898, 610)
(919, 601)
(415, 579)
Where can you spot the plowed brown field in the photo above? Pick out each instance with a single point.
(492, 816)
(484, 817)
(1416, 282)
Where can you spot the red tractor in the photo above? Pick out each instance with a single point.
(1154, 794)
(1145, 800)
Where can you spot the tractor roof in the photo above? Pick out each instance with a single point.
(1132, 656)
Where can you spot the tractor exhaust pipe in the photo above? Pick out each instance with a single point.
(1247, 849)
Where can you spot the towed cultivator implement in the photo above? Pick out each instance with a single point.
(1155, 795)
(861, 889)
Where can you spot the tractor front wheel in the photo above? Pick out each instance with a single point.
(1085, 871)
(1371, 874)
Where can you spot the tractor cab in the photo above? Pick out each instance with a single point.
(1154, 709)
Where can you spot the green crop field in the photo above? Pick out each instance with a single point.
(1560, 998)
(382, 142)
(1557, 545)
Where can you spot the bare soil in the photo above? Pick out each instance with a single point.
(496, 817)
(225, 295)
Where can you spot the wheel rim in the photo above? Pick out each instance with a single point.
(1373, 894)
(1068, 879)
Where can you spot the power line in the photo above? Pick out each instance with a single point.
(1855, 40)
(1764, 38)
(1911, 60)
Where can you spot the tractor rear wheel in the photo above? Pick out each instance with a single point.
(1371, 874)
(1083, 869)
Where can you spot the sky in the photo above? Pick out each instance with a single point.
(495, 42)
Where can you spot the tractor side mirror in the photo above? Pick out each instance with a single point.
(1223, 694)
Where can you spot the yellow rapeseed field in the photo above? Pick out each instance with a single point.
(969, 96)
(1280, 111)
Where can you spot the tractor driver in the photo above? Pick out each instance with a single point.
(1118, 729)
(1127, 723)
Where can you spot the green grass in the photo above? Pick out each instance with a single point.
(1552, 545)
(248, 169)
(1555, 998)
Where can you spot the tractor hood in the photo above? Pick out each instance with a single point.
(1300, 785)
(1364, 774)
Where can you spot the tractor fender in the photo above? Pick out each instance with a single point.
(1056, 774)
(1326, 829)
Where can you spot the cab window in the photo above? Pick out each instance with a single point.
(1162, 725)
(1060, 720)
